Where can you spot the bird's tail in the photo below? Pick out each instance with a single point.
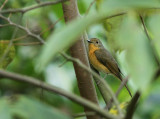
(120, 77)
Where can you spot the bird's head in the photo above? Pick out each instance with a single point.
(95, 42)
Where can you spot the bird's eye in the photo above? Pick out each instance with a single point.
(97, 42)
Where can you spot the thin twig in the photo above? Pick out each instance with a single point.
(63, 63)
(132, 106)
(3, 4)
(54, 89)
(28, 44)
(51, 25)
(98, 77)
(19, 38)
(150, 40)
(3, 25)
(123, 83)
(87, 11)
(29, 33)
(83, 114)
(4, 41)
(24, 10)
(116, 15)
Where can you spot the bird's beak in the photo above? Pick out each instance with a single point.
(89, 41)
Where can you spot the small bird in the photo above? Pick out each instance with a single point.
(102, 60)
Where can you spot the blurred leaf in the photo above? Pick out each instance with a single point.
(57, 10)
(98, 3)
(141, 64)
(149, 106)
(64, 37)
(5, 112)
(154, 26)
(10, 56)
(23, 107)
(112, 27)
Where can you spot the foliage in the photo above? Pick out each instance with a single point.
(24, 107)
(124, 34)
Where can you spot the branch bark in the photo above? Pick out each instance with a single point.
(78, 50)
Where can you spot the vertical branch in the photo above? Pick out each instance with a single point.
(132, 106)
(106, 96)
(78, 50)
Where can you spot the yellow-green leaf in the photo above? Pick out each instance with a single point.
(6, 59)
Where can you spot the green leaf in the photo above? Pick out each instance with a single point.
(154, 26)
(23, 107)
(9, 57)
(64, 37)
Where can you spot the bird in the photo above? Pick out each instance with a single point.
(102, 60)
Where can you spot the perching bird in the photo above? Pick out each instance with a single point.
(102, 60)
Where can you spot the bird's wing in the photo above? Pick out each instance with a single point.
(107, 60)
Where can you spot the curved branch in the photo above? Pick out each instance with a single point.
(132, 106)
(54, 89)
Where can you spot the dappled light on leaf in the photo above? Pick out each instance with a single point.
(6, 59)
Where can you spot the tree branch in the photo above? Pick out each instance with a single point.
(78, 50)
(132, 106)
(156, 75)
(24, 10)
(54, 89)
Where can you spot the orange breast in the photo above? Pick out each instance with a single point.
(94, 61)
